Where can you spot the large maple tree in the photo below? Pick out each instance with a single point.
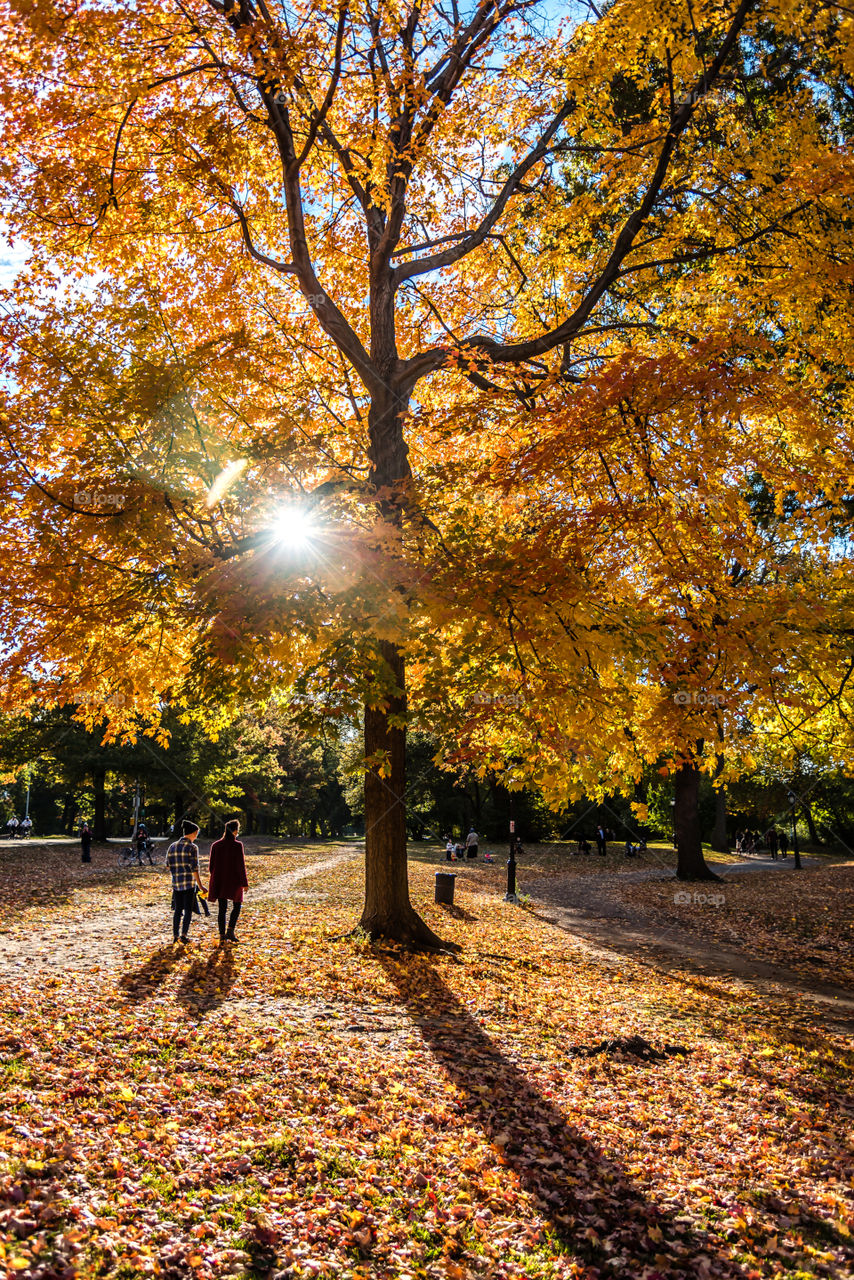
(335, 253)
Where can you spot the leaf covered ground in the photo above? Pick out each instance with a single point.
(306, 1104)
(803, 921)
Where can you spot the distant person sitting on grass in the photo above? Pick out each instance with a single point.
(228, 878)
(182, 859)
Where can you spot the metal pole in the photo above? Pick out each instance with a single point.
(510, 895)
(27, 805)
(135, 811)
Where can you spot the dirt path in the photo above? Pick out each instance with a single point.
(588, 909)
(101, 940)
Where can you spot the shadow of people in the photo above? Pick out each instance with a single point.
(143, 982)
(593, 1208)
(207, 983)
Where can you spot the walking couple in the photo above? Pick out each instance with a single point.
(227, 879)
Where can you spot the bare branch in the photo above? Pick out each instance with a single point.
(320, 114)
(448, 256)
(517, 351)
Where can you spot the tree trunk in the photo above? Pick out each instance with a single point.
(690, 865)
(720, 844)
(68, 813)
(388, 913)
(814, 836)
(99, 824)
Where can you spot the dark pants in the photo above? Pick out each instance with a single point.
(87, 855)
(232, 919)
(471, 851)
(183, 905)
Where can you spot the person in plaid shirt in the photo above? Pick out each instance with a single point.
(182, 859)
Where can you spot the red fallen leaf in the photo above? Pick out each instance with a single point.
(267, 1236)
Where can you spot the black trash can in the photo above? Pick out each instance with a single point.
(445, 887)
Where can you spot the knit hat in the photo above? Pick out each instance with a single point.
(189, 828)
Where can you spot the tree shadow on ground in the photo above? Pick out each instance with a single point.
(207, 983)
(591, 1206)
(141, 983)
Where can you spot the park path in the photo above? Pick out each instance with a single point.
(101, 939)
(588, 908)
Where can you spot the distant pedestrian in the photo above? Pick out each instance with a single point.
(784, 844)
(471, 843)
(144, 845)
(86, 842)
(601, 841)
(182, 859)
(26, 826)
(772, 842)
(12, 827)
(228, 878)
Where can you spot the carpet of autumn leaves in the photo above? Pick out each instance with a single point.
(306, 1104)
(804, 922)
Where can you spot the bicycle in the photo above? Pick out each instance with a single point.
(133, 857)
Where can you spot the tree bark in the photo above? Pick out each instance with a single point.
(99, 778)
(690, 864)
(68, 813)
(388, 912)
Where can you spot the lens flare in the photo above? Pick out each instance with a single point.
(292, 527)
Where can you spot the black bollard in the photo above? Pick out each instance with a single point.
(510, 895)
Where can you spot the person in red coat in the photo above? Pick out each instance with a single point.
(228, 878)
